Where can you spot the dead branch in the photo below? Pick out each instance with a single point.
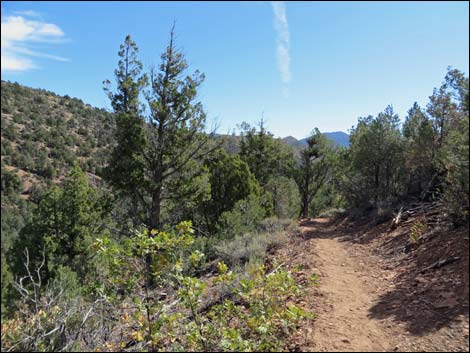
(441, 263)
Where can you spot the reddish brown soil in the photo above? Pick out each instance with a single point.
(372, 296)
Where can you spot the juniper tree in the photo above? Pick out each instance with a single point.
(266, 156)
(63, 226)
(419, 151)
(313, 170)
(158, 157)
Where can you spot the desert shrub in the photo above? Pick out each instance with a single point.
(257, 314)
(50, 317)
(331, 212)
(11, 183)
(274, 224)
(245, 216)
(249, 247)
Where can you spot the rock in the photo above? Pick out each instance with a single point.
(420, 279)
(447, 295)
(447, 303)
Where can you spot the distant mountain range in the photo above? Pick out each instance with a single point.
(339, 138)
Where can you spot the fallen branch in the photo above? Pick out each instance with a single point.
(396, 220)
(441, 263)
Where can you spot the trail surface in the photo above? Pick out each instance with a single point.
(348, 299)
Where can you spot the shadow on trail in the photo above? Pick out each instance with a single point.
(423, 302)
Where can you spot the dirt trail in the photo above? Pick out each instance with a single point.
(346, 326)
(361, 300)
(343, 324)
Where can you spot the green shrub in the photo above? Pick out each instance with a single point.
(11, 183)
(248, 247)
(245, 216)
(257, 314)
(285, 197)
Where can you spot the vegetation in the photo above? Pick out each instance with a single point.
(117, 228)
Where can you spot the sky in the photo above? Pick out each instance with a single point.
(299, 65)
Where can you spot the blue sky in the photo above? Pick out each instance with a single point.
(300, 64)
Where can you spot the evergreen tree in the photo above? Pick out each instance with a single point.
(419, 151)
(376, 160)
(64, 225)
(454, 156)
(158, 158)
(314, 169)
(231, 181)
(285, 196)
(266, 156)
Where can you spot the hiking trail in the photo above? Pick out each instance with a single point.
(351, 284)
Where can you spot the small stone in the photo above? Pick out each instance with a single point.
(447, 303)
(421, 279)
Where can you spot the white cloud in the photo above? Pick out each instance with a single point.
(13, 63)
(19, 33)
(29, 13)
(283, 55)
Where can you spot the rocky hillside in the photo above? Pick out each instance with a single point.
(43, 133)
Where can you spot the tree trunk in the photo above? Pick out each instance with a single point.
(155, 210)
(153, 224)
(305, 197)
(305, 206)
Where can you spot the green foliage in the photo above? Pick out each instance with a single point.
(51, 317)
(314, 169)
(157, 162)
(129, 79)
(178, 322)
(63, 226)
(231, 181)
(419, 151)
(377, 159)
(245, 216)
(285, 196)
(266, 156)
(11, 183)
(455, 151)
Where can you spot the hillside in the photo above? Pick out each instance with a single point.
(44, 133)
(42, 136)
(338, 138)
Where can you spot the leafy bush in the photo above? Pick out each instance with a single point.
(257, 315)
(245, 216)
